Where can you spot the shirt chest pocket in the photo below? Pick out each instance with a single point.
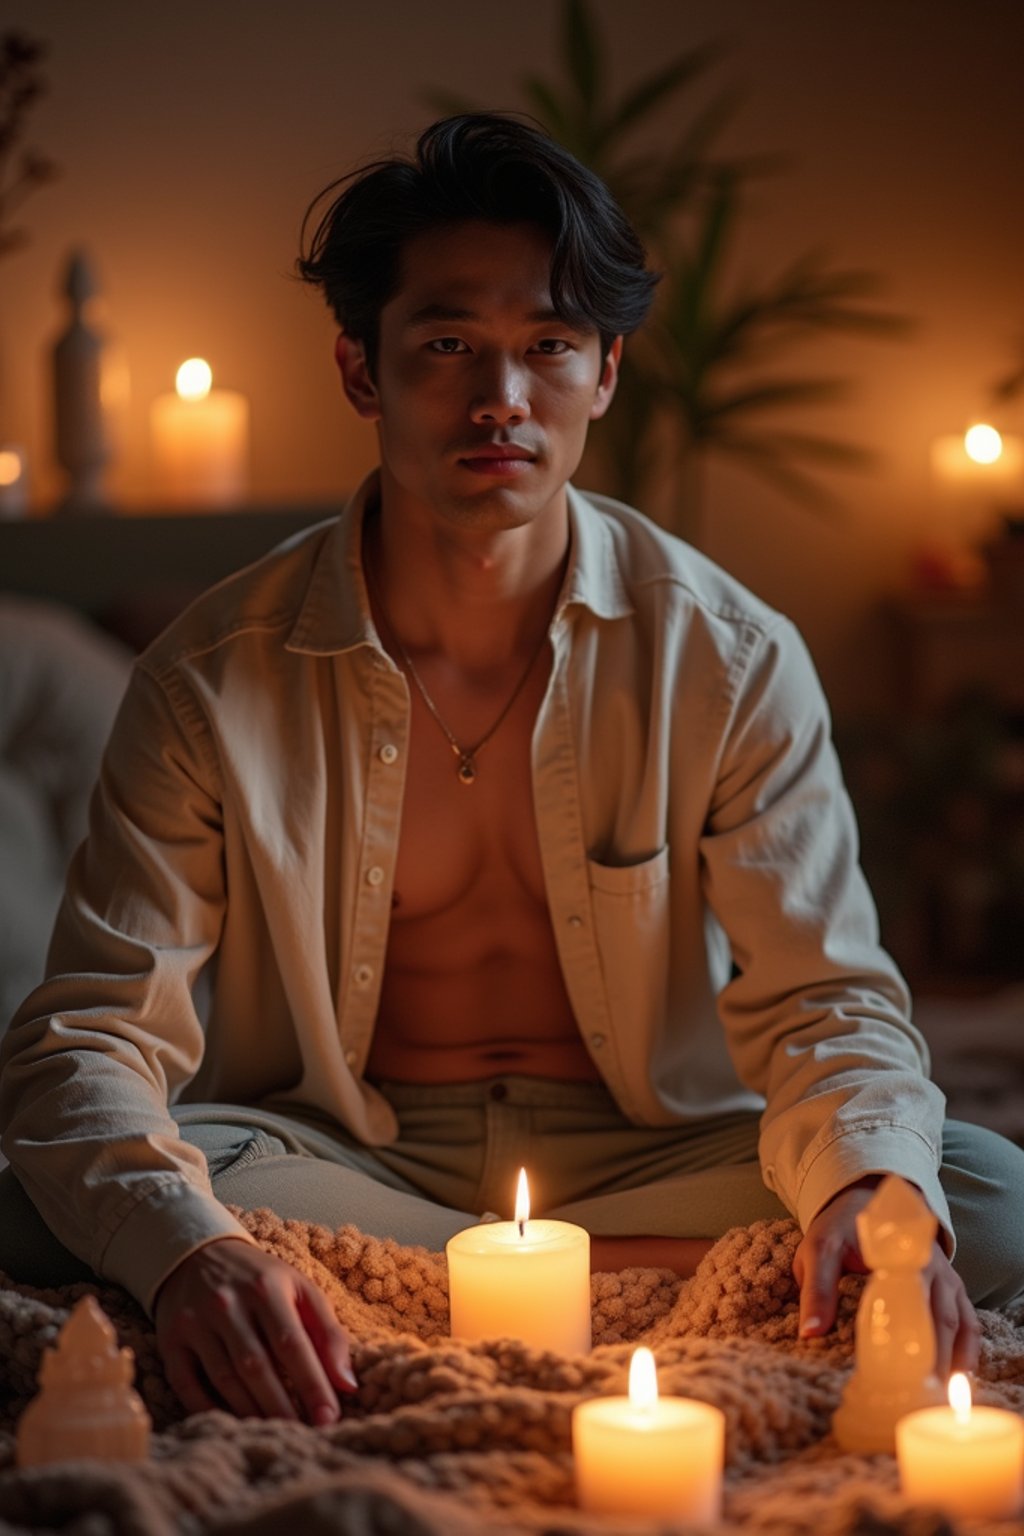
(630, 904)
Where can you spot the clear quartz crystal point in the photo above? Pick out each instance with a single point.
(86, 1406)
(894, 1369)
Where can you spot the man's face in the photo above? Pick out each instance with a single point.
(482, 395)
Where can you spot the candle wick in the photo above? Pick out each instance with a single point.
(522, 1227)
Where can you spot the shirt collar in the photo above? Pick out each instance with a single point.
(594, 578)
(335, 613)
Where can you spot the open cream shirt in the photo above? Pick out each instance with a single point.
(717, 939)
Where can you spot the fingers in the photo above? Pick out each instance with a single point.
(830, 1248)
(222, 1372)
(817, 1266)
(967, 1344)
(328, 1337)
(957, 1330)
(220, 1352)
(239, 1328)
(295, 1355)
(185, 1382)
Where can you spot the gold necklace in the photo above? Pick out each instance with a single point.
(465, 756)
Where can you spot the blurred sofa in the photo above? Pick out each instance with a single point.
(61, 681)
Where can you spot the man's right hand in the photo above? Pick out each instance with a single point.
(234, 1321)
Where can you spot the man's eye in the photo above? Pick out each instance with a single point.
(448, 345)
(553, 346)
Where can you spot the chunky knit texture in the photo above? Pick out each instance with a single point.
(448, 1439)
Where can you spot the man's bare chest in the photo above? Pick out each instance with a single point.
(472, 842)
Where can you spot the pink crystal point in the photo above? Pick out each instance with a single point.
(894, 1368)
(896, 1229)
(87, 1351)
(86, 1406)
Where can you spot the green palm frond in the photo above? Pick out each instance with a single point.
(1012, 383)
(791, 462)
(22, 170)
(708, 358)
(549, 111)
(806, 445)
(773, 395)
(655, 90)
(583, 55)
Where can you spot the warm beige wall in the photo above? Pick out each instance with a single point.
(192, 135)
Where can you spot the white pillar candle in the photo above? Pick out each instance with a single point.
(659, 1457)
(964, 1460)
(200, 441)
(523, 1279)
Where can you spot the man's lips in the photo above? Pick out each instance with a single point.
(497, 459)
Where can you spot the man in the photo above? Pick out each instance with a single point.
(499, 827)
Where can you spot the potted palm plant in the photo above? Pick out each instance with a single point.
(708, 374)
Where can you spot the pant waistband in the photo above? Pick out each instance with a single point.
(510, 1088)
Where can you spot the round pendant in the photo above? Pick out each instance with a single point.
(467, 769)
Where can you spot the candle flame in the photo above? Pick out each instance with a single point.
(522, 1202)
(983, 443)
(10, 467)
(960, 1397)
(193, 379)
(643, 1380)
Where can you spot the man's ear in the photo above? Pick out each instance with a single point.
(609, 379)
(359, 387)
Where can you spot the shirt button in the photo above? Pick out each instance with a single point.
(388, 753)
(597, 1041)
(363, 975)
(374, 875)
(351, 1057)
(575, 922)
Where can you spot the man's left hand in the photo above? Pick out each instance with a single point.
(831, 1248)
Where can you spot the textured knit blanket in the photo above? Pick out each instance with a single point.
(448, 1439)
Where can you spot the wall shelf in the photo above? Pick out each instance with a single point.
(97, 562)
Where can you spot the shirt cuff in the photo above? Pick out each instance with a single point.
(162, 1229)
(874, 1149)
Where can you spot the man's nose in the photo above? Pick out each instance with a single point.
(502, 394)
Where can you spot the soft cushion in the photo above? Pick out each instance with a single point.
(61, 680)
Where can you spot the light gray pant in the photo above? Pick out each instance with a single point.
(458, 1154)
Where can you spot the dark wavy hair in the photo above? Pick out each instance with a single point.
(477, 166)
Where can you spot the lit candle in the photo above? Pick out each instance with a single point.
(982, 456)
(644, 1455)
(200, 440)
(13, 481)
(523, 1279)
(964, 1460)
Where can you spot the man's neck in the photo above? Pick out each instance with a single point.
(481, 597)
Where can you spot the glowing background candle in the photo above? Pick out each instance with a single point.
(981, 457)
(523, 1279)
(964, 1460)
(660, 1457)
(200, 441)
(13, 481)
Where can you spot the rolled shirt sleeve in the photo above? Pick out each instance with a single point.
(94, 1056)
(817, 1016)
